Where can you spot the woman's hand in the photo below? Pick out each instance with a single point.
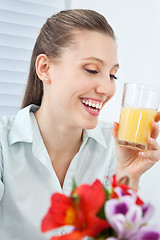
(134, 163)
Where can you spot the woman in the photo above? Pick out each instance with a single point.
(56, 136)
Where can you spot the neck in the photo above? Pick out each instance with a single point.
(58, 138)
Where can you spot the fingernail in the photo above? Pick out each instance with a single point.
(141, 154)
(150, 139)
(154, 124)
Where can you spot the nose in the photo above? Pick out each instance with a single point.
(106, 86)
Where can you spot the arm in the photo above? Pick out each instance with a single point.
(134, 163)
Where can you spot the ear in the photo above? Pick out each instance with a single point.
(43, 64)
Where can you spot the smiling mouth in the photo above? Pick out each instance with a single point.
(92, 105)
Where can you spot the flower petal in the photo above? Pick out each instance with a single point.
(71, 236)
(134, 215)
(95, 226)
(60, 201)
(111, 238)
(148, 210)
(89, 193)
(118, 206)
(147, 233)
(119, 191)
(132, 221)
(117, 222)
(56, 214)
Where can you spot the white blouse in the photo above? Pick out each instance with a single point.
(27, 178)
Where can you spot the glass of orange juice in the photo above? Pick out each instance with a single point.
(140, 104)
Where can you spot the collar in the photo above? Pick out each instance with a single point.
(22, 128)
(97, 135)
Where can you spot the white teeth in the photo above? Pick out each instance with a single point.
(90, 104)
(95, 110)
(96, 105)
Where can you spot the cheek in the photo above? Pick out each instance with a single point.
(81, 86)
(113, 90)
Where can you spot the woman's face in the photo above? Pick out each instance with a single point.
(83, 80)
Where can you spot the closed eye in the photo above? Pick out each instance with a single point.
(112, 77)
(91, 71)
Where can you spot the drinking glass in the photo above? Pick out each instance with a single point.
(140, 104)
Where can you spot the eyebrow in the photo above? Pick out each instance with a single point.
(99, 60)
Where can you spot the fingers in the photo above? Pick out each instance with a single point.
(153, 155)
(115, 129)
(153, 151)
(157, 118)
(152, 144)
(155, 126)
(155, 130)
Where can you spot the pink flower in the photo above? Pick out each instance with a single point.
(125, 216)
(147, 233)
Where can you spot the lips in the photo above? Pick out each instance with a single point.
(92, 106)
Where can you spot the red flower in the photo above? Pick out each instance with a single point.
(123, 184)
(79, 210)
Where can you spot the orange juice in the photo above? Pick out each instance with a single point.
(135, 126)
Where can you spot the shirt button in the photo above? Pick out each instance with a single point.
(63, 232)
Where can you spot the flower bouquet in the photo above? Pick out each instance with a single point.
(99, 213)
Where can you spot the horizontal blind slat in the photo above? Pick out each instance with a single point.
(51, 3)
(10, 100)
(12, 88)
(27, 7)
(15, 53)
(21, 19)
(8, 110)
(18, 30)
(16, 42)
(13, 77)
(16, 65)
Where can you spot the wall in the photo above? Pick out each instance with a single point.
(137, 27)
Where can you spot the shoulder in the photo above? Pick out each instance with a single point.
(5, 127)
(6, 122)
(18, 127)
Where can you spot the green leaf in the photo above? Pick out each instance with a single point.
(107, 193)
(74, 185)
(101, 213)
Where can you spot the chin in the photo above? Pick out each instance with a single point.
(90, 124)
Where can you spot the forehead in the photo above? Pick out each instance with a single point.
(89, 44)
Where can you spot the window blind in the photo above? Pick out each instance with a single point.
(20, 23)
